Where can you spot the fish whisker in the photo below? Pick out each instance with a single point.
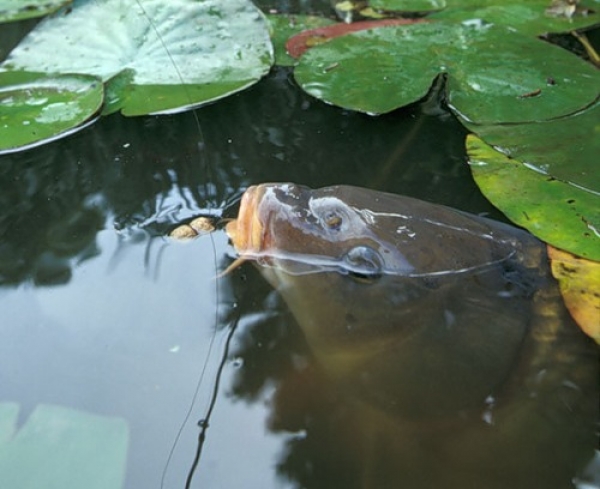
(235, 264)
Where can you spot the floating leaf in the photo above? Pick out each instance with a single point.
(567, 149)
(561, 214)
(408, 5)
(180, 54)
(494, 75)
(297, 45)
(61, 448)
(285, 26)
(13, 10)
(579, 281)
(531, 17)
(36, 108)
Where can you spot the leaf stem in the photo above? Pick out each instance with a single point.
(592, 53)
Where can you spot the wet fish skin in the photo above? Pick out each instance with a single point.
(449, 324)
(443, 315)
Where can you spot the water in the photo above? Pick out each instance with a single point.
(103, 314)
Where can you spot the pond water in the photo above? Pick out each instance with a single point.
(120, 344)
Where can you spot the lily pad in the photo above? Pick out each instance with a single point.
(285, 26)
(61, 448)
(180, 54)
(36, 108)
(296, 46)
(408, 5)
(579, 281)
(532, 17)
(567, 149)
(494, 75)
(558, 212)
(13, 10)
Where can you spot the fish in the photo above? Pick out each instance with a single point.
(423, 315)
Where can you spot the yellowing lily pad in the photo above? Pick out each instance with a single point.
(579, 281)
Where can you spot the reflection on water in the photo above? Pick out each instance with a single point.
(537, 436)
(103, 314)
(154, 172)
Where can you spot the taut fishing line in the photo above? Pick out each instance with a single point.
(204, 422)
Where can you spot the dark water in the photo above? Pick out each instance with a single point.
(104, 314)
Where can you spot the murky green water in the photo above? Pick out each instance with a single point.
(103, 314)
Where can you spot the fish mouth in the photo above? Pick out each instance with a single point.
(247, 231)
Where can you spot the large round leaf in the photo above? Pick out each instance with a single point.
(567, 149)
(36, 108)
(533, 17)
(298, 44)
(285, 26)
(494, 75)
(558, 212)
(177, 54)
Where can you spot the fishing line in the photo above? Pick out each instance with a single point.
(208, 174)
(212, 401)
(188, 414)
(204, 423)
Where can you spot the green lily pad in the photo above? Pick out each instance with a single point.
(36, 108)
(567, 148)
(494, 75)
(179, 54)
(531, 17)
(558, 212)
(297, 45)
(13, 10)
(61, 448)
(408, 5)
(285, 26)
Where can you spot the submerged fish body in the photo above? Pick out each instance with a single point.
(420, 312)
(391, 290)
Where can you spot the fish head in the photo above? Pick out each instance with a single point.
(360, 232)
(303, 231)
(409, 305)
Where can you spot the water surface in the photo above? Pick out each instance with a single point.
(103, 314)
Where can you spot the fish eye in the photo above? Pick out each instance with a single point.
(332, 220)
(363, 264)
